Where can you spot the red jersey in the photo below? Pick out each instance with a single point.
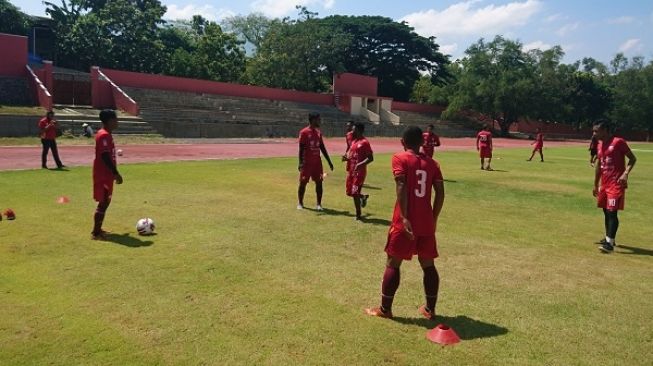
(420, 172)
(484, 139)
(429, 142)
(612, 157)
(539, 140)
(103, 143)
(349, 138)
(311, 138)
(360, 150)
(50, 132)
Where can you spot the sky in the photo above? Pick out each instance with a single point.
(583, 28)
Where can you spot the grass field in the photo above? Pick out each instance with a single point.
(238, 276)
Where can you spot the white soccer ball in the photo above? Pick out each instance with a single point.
(119, 152)
(145, 226)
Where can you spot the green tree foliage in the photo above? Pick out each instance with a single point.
(497, 81)
(298, 54)
(633, 94)
(122, 34)
(251, 28)
(12, 20)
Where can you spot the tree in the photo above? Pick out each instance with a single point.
(251, 28)
(12, 20)
(389, 50)
(633, 96)
(497, 81)
(119, 33)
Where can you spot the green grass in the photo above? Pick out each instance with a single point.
(22, 110)
(236, 275)
(76, 140)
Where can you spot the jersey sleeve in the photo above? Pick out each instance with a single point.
(623, 147)
(103, 144)
(436, 139)
(398, 168)
(303, 138)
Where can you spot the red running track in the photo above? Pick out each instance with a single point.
(29, 157)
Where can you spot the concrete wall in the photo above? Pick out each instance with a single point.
(14, 91)
(161, 82)
(419, 108)
(19, 126)
(14, 55)
(348, 83)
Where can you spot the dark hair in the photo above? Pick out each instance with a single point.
(360, 126)
(486, 126)
(604, 124)
(431, 125)
(412, 136)
(107, 114)
(313, 115)
(49, 113)
(350, 122)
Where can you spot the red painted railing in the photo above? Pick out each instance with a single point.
(44, 96)
(121, 99)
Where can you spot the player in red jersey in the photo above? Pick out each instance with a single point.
(430, 141)
(310, 162)
(611, 179)
(484, 146)
(413, 223)
(105, 170)
(358, 157)
(539, 143)
(48, 133)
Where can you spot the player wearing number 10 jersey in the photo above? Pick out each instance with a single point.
(413, 223)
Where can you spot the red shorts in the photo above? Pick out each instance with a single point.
(355, 182)
(102, 190)
(486, 152)
(537, 147)
(611, 201)
(311, 171)
(399, 246)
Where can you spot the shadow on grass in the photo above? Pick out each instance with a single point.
(366, 218)
(467, 328)
(373, 188)
(497, 170)
(634, 250)
(128, 240)
(450, 181)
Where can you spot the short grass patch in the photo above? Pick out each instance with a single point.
(237, 275)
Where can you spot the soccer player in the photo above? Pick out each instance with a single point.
(48, 133)
(105, 170)
(413, 223)
(484, 146)
(611, 179)
(358, 157)
(539, 143)
(349, 137)
(430, 141)
(594, 143)
(310, 163)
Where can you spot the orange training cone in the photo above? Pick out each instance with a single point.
(63, 199)
(442, 334)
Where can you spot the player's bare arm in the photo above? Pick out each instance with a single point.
(301, 157)
(367, 160)
(597, 179)
(623, 180)
(402, 198)
(326, 155)
(438, 200)
(106, 158)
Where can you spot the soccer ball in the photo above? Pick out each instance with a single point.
(145, 226)
(119, 152)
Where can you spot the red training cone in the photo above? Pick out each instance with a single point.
(63, 199)
(442, 334)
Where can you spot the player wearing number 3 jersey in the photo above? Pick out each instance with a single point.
(413, 223)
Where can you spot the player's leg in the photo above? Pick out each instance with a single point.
(613, 226)
(431, 282)
(532, 154)
(489, 163)
(55, 154)
(300, 193)
(389, 286)
(482, 163)
(44, 153)
(102, 195)
(357, 205)
(541, 154)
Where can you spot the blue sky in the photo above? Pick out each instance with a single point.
(583, 28)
